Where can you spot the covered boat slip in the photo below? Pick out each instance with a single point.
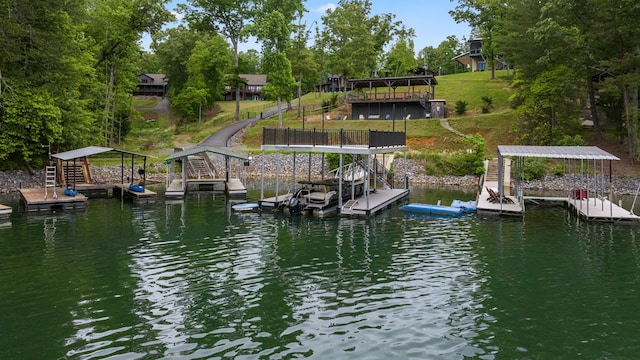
(198, 173)
(591, 197)
(362, 145)
(70, 181)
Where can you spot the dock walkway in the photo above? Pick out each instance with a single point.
(34, 200)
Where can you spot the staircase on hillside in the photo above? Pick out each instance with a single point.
(73, 174)
(492, 174)
(199, 167)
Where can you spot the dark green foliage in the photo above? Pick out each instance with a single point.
(568, 140)
(461, 107)
(333, 160)
(487, 104)
(331, 103)
(470, 162)
(534, 169)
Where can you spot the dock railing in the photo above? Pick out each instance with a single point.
(333, 137)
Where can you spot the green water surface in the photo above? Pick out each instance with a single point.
(193, 280)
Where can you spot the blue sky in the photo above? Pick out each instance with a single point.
(429, 18)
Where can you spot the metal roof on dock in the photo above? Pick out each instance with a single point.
(557, 152)
(202, 149)
(90, 150)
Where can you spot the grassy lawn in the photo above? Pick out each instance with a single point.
(151, 134)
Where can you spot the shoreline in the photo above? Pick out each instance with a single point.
(12, 181)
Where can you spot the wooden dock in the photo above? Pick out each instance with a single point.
(123, 190)
(5, 211)
(506, 207)
(34, 200)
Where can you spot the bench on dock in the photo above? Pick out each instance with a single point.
(495, 198)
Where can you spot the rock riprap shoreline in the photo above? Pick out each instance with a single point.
(11, 181)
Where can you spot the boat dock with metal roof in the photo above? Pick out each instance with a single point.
(591, 198)
(199, 174)
(69, 181)
(362, 145)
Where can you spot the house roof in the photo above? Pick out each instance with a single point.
(156, 78)
(254, 79)
(392, 81)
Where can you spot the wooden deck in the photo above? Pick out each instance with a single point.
(34, 200)
(123, 190)
(484, 206)
(5, 211)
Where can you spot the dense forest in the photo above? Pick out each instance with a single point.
(68, 68)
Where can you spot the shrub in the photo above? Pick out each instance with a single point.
(487, 104)
(461, 107)
(533, 169)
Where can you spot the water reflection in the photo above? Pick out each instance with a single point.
(194, 279)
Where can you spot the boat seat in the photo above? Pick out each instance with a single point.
(315, 197)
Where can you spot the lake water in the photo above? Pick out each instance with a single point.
(194, 280)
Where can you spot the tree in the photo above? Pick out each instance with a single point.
(229, 18)
(274, 32)
(484, 16)
(354, 40)
(45, 75)
(303, 64)
(117, 26)
(440, 59)
(401, 58)
(173, 48)
(205, 82)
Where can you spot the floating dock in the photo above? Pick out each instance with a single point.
(591, 209)
(365, 206)
(35, 200)
(5, 211)
(590, 199)
(124, 191)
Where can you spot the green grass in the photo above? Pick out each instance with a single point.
(423, 135)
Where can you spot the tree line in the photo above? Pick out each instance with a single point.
(68, 69)
(569, 55)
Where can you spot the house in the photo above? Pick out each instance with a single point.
(251, 88)
(475, 60)
(334, 83)
(395, 98)
(151, 85)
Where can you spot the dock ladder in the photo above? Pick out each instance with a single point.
(50, 181)
(349, 204)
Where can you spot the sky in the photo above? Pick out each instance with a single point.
(429, 18)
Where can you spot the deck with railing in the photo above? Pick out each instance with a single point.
(333, 137)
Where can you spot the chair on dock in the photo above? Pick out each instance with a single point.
(495, 198)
